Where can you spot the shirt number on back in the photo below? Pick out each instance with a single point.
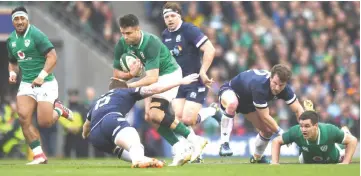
(261, 72)
(103, 101)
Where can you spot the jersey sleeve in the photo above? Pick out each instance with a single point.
(258, 98)
(288, 95)
(151, 54)
(195, 35)
(290, 136)
(336, 134)
(137, 93)
(118, 52)
(12, 59)
(42, 42)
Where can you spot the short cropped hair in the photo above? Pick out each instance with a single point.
(283, 72)
(117, 84)
(312, 115)
(19, 9)
(129, 20)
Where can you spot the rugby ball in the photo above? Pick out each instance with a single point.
(126, 60)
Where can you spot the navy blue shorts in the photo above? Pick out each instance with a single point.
(243, 107)
(103, 134)
(193, 92)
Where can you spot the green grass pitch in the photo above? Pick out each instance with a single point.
(211, 167)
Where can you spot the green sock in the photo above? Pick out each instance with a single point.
(182, 130)
(34, 144)
(168, 135)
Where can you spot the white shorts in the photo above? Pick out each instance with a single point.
(47, 92)
(164, 79)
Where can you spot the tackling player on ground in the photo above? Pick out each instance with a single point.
(186, 42)
(318, 142)
(248, 93)
(160, 67)
(31, 50)
(107, 125)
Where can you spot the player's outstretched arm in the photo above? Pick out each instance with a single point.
(268, 120)
(159, 87)
(276, 147)
(297, 108)
(150, 78)
(86, 129)
(351, 144)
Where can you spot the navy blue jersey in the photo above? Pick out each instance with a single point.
(253, 87)
(184, 45)
(118, 101)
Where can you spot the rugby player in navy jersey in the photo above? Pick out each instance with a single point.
(248, 93)
(187, 43)
(108, 130)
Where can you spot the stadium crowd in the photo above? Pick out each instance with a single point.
(319, 41)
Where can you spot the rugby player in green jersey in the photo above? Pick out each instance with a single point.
(318, 142)
(160, 67)
(30, 50)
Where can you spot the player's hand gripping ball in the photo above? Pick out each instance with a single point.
(127, 62)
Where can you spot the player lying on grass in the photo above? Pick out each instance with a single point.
(106, 124)
(318, 142)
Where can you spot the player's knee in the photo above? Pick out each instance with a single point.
(231, 107)
(24, 118)
(189, 118)
(44, 123)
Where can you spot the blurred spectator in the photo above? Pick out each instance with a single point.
(73, 138)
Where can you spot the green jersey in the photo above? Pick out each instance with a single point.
(151, 51)
(323, 150)
(29, 52)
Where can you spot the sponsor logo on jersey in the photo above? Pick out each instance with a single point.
(201, 89)
(142, 55)
(13, 44)
(317, 158)
(193, 95)
(178, 38)
(21, 54)
(324, 148)
(304, 148)
(27, 42)
(168, 40)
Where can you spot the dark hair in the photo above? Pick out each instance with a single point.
(174, 6)
(117, 84)
(312, 115)
(129, 20)
(283, 72)
(17, 9)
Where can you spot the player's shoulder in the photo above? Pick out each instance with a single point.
(186, 25)
(295, 131)
(327, 126)
(34, 30)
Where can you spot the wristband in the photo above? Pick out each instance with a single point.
(280, 131)
(43, 74)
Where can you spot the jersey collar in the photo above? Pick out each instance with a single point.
(141, 39)
(318, 137)
(26, 32)
(176, 29)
